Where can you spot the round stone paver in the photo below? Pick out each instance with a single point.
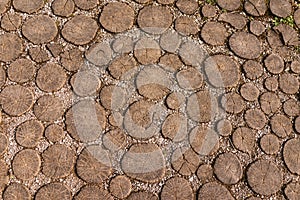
(289, 83)
(214, 33)
(264, 177)
(245, 45)
(291, 153)
(16, 191)
(11, 22)
(269, 102)
(80, 30)
(185, 161)
(155, 19)
(214, 191)
(153, 82)
(58, 161)
(16, 100)
(29, 133)
(21, 70)
(249, 92)
(281, 8)
(40, 29)
(255, 7)
(117, 17)
(255, 118)
(274, 64)
(187, 6)
(63, 8)
(48, 108)
(201, 106)
(228, 168)
(243, 139)
(11, 47)
(270, 144)
(144, 162)
(229, 5)
(177, 189)
(26, 164)
(93, 192)
(120, 186)
(222, 71)
(93, 165)
(28, 6)
(85, 120)
(253, 69)
(204, 141)
(54, 190)
(51, 77)
(281, 125)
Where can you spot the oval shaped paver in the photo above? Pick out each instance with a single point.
(177, 188)
(144, 162)
(40, 29)
(80, 30)
(58, 161)
(11, 47)
(94, 164)
(214, 191)
(264, 177)
(245, 45)
(228, 168)
(155, 19)
(26, 164)
(222, 71)
(16, 100)
(52, 191)
(117, 17)
(85, 120)
(28, 6)
(29, 133)
(16, 191)
(291, 153)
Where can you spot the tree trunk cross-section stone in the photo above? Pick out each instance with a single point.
(245, 45)
(40, 29)
(28, 6)
(58, 161)
(29, 133)
(11, 47)
(16, 100)
(80, 30)
(144, 162)
(228, 168)
(155, 19)
(117, 17)
(16, 191)
(93, 192)
(291, 154)
(52, 191)
(264, 177)
(85, 120)
(26, 164)
(48, 108)
(94, 164)
(214, 191)
(177, 189)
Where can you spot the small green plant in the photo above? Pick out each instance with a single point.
(212, 2)
(297, 49)
(288, 20)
